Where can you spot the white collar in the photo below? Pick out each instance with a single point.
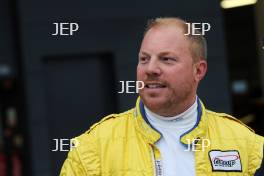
(185, 119)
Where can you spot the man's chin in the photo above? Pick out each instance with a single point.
(154, 103)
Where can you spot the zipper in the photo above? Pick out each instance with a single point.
(157, 164)
(153, 160)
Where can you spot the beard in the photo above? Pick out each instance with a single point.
(168, 102)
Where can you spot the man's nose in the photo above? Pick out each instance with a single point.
(153, 67)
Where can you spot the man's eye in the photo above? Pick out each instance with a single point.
(143, 59)
(167, 59)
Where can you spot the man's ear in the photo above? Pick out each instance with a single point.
(200, 69)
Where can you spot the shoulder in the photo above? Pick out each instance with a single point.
(107, 126)
(228, 124)
(231, 126)
(85, 151)
(234, 132)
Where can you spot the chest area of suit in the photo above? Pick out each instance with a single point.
(211, 157)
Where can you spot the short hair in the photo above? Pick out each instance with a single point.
(197, 42)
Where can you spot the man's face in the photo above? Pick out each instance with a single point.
(167, 69)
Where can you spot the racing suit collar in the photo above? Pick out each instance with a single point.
(152, 135)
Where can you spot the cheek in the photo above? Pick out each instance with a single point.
(140, 73)
(179, 77)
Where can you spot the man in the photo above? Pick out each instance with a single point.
(169, 132)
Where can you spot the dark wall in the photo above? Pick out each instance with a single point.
(65, 96)
(7, 44)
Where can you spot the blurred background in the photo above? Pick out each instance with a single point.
(54, 87)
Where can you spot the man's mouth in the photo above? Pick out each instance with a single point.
(154, 85)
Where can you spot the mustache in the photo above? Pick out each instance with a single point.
(155, 79)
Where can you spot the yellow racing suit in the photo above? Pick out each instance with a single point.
(124, 145)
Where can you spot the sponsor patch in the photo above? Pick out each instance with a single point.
(228, 161)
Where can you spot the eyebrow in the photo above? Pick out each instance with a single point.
(166, 53)
(162, 53)
(143, 53)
